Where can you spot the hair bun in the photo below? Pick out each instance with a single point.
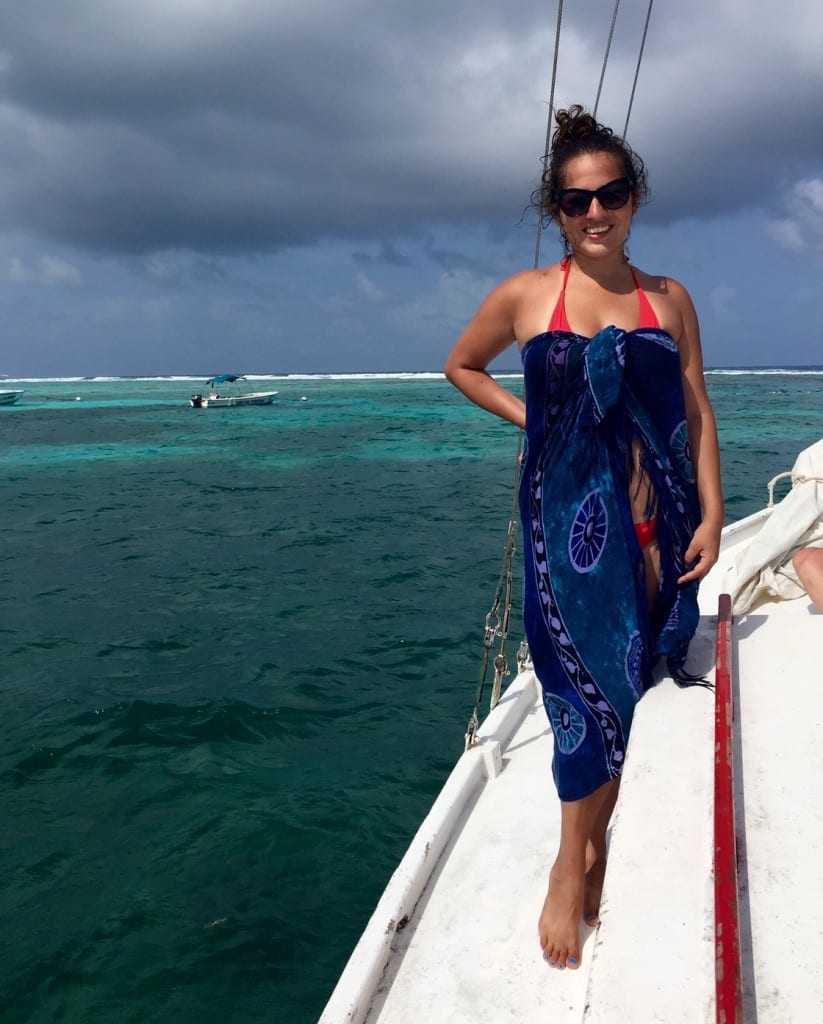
(575, 125)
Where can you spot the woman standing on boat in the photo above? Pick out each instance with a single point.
(620, 491)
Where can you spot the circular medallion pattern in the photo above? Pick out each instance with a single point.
(568, 724)
(682, 451)
(587, 537)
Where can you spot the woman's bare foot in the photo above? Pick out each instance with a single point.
(559, 924)
(583, 825)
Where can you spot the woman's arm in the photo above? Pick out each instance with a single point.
(705, 544)
(490, 333)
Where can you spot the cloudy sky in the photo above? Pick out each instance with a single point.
(265, 186)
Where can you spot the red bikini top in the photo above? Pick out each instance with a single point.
(560, 322)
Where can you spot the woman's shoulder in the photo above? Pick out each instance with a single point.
(667, 289)
(672, 304)
(523, 301)
(526, 284)
(535, 278)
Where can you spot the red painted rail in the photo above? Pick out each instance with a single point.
(726, 918)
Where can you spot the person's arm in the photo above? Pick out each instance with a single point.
(705, 544)
(490, 333)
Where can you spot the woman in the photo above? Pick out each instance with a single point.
(620, 491)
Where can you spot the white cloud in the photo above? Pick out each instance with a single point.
(369, 289)
(787, 234)
(802, 230)
(811, 190)
(53, 270)
(48, 270)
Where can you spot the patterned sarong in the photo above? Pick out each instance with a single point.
(592, 640)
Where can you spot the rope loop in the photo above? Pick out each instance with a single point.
(797, 478)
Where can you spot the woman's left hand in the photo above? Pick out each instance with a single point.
(703, 550)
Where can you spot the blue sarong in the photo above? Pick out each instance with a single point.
(593, 642)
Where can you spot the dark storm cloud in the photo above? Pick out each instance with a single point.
(145, 126)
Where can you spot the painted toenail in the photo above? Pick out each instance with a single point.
(552, 963)
(591, 918)
(560, 967)
(573, 960)
(546, 957)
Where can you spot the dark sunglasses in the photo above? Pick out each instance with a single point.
(614, 195)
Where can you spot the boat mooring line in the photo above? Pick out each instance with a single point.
(728, 987)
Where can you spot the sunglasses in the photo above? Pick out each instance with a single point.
(614, 195)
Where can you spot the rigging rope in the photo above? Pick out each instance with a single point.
(497, 623)
(637, 68)
(549, 122)
(606, 58)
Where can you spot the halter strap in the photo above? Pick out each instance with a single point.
(560, 322)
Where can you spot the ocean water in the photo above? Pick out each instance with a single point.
(239, 651)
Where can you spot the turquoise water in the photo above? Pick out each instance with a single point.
(240, 648)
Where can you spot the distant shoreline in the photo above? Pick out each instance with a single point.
(813, 370)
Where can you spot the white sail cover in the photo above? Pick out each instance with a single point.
(765, 567)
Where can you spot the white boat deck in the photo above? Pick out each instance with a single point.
(469, 951)
(779, 820)
(491, 882)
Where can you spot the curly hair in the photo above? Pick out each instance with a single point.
(578, 132)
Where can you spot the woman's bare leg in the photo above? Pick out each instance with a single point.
(808, 564)
(596, 858)
(559, 925)
(651, 556)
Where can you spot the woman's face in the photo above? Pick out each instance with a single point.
(598, 232)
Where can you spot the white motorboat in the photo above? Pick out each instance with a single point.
(9, 397)
(683, 937)
(216, 400)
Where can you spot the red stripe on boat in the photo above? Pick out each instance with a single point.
(726, 917)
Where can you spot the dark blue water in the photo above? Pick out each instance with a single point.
(239, 651)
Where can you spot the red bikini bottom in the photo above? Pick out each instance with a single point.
(645, 532)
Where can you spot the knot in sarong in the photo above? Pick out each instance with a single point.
(605, 363)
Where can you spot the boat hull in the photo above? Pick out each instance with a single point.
(9, 397)
(231, 401)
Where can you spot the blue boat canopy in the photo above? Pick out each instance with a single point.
(226, 378)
